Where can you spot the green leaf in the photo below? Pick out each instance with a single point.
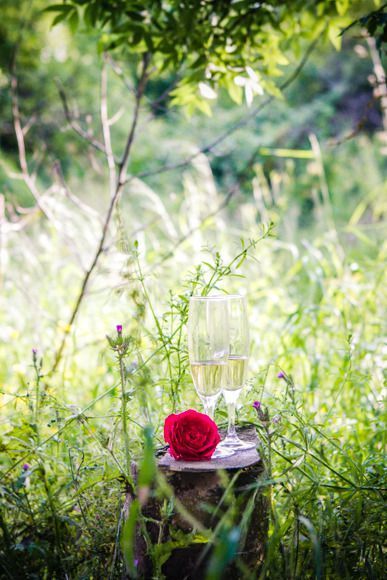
(90, 15)
(224, 553)
(180, 539)
(342, 6)
(334, 36)
(243, 258)
(128, 537)
(74, 21)
(235, 92)
(59, 18)
(290, 153)
(147, 470)
(59, 8)
(203, 106)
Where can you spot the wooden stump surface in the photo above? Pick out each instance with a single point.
(239, 460)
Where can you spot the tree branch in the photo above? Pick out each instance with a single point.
(58, 175)
(28, 179)
(118, 187)
(128, 146)
(75, 126)
(106, 130)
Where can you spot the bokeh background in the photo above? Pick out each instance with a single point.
(312, 163)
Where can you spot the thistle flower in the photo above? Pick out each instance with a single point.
(119, 343)
(25, 467)
(281, 375)
(263, 414)
(34, 355)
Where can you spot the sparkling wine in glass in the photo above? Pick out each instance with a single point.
(208, 347)
(238, 359)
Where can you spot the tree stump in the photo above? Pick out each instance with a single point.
(200, 488)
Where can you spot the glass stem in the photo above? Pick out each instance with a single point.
(231, 432)
(209, 407)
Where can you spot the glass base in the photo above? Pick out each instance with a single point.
(232, 442)
(222, 452)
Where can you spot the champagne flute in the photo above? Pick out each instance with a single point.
(238, 359)
(208, 347)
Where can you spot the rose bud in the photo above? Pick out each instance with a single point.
(192, 436)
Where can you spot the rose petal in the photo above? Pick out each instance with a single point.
(168, 427)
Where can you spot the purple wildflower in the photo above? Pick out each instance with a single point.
(25, 467)
(263, 415)
(34, 351)
(281, 375)
(119, 328)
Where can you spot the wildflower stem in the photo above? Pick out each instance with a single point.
(37, 402)
(124, 417)
(37, 396)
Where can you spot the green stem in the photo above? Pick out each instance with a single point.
(124, 418)
(51, 504)
(37, 404)
(37, 401)
(269, 453)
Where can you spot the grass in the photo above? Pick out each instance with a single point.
(316, 312)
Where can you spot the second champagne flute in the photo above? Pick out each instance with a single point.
(238, 359)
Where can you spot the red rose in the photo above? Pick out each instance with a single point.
(192, 436)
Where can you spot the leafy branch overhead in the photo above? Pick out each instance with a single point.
(375, 23)
(241, 46)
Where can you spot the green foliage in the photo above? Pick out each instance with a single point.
(239, 46)
(64, 514)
